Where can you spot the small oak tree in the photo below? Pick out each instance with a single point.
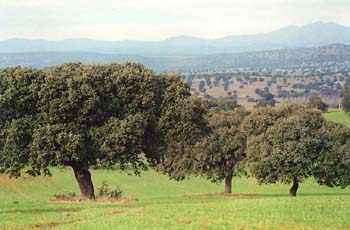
(217, 154)
(283, 144)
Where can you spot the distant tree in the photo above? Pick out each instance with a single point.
(345, 99)
(83, 115)
(267, 100)
(208, 80)
(283, 144)
(225, 103)
(218, 153)
(201, 86)
(316, 102)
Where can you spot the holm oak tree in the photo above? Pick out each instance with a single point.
(83, 115)
(217, 154)
(283, 144)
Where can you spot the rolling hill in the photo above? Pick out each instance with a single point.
(270, 58)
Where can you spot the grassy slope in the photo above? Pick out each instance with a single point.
(164, 204)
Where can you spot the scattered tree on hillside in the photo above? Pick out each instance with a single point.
(267, 100)
(345, 100)
(316, 102)
(201, 86)
(221, 103)
(227, 103)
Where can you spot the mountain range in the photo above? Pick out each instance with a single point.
(311, 35)
(315, 42)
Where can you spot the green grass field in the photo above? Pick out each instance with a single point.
(337, 116)
(163, 204)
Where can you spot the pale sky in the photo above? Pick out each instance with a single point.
(160, 19)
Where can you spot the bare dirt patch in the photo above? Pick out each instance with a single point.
(49, 224)
(114, 213)
(184, 221)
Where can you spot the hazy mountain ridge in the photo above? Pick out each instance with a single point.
(312, 35)
(292, 45)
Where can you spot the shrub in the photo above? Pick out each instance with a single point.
(105, 192)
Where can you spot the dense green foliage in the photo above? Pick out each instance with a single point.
(267, 100)
(316, 102)
(85, 115)
(290, 143)
(345, 99)
(333, 168)
(217, 154)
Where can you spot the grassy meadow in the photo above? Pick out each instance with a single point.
(162, 204)
(337, 116)
(152, 201)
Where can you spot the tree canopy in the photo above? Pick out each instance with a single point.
(267, 100)
(345, 99)
(333, 168)
(217, 153)
(316, 102)
(82, 115)
(283, 144)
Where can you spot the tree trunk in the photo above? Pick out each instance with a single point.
(228, 184)
(229, 174)
(293, 190)
(83, 178)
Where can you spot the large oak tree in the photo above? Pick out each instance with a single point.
(82, 115)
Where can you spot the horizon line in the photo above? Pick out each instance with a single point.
(170, 37)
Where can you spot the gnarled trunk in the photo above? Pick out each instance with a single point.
(83, 177)
(293, 190)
